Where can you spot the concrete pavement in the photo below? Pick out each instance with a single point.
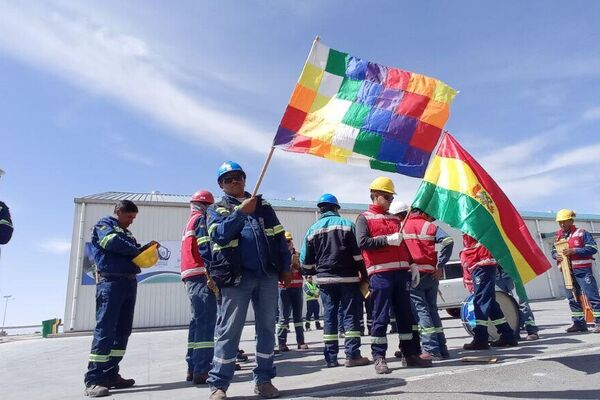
(558, 366)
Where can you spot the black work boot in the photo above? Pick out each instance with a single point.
(476, 345)
(505, 341)
(119, 382)
(318, 325)
(577, 328)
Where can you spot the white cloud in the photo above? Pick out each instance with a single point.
(591, 114)
(136, 158)
(120, 66)
(56, 246)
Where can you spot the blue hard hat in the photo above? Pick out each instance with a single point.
(229, 166)
(327, 198)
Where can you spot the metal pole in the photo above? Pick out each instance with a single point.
(6, 298)
(78, 267)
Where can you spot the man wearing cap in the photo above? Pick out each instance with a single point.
(249, 255)
(6, 227)
(421, 236)
(291, 302)
(113, 250)
(582, 248)
(330, 252)
(388, 263)
(195, 254)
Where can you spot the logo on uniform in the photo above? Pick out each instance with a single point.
(477, 280)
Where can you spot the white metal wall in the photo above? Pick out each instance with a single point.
(166, 304)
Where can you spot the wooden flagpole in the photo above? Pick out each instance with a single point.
(268, 161)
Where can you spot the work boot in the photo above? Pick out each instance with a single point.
(307, 326)
(217, 394)
(241, 357)
(96, 391)
(302, 346)
(398, 354)
(318, 325)
(416, 361)
(431, 357)
(596, 329)
(445, 354)
(381, 366)
(356, 362)
(577, 328)
(238, 367)
(476, 345)
(505, 341)
(119, 382)
(332, 364)
(200, 378)
(266, 390)
(283, 348)
(532, 336)
(189, 376)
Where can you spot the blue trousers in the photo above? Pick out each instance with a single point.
(290, 302)
(391, 290)
(261, 290)
(526, 319)
(202, 325)
(344, 296)
(485, 306)
(424, 301)
(584, 282)
(312, 310)
(115, 304)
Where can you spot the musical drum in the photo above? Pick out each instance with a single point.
(508, 305)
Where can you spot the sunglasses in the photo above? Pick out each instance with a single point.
(387, 197)
(231, 178)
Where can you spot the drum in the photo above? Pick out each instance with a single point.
(508, 305)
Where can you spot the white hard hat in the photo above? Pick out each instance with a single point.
(397, 207)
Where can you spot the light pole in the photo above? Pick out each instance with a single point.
(6, 299)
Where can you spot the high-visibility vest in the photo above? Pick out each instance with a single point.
(386, 258)
(192, 263)
(419, 235)
(575, 240)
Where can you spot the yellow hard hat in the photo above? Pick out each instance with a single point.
(147, 258)
(383, 184)
(288, 235)
(564, 215)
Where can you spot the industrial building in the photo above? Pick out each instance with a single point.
(161, 298)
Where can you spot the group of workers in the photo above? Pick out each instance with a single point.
(236, 251)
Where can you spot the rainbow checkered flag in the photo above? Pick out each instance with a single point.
(354, 111)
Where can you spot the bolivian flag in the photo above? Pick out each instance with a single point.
(457, 191)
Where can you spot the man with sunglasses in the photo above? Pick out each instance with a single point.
(389, 265)
(249, 256)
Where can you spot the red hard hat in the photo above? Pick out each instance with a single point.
(203, 196)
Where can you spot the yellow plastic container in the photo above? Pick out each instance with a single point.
(147, 258)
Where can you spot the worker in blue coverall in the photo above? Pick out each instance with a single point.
(581, 251)
(6, 226)
(114, 247)
(249, 256)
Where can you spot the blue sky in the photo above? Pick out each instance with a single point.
(148, 95)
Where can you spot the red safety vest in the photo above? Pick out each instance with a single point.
(575, 240)
(473, 255)
(192, 264)
(387, 258)
(296, 281)
(419, 236)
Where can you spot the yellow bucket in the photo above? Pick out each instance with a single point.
(147, 258)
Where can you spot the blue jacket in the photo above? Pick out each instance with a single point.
(240, 242)
(6, 227)
(330, 251)
(114, 247)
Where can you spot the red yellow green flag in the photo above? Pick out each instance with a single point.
(458, 191)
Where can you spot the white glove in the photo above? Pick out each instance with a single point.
(394, 239)
(415, 276)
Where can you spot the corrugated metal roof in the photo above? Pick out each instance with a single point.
(176, 199)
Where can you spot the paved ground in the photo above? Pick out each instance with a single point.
(559, 366)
